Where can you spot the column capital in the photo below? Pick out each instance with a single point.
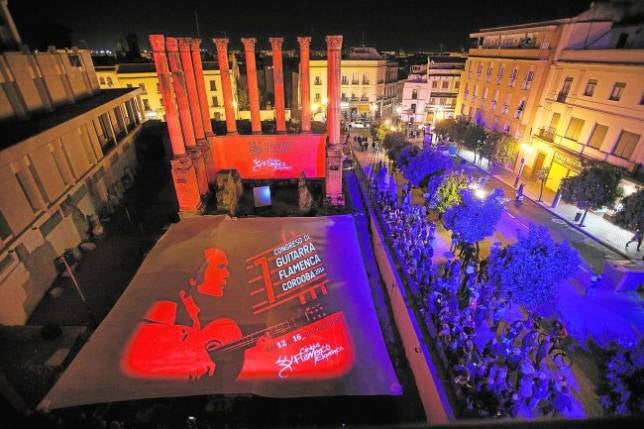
(276, 42)
(157, 41)
(334, 42)
(184, 44)
(220, 43)
(195, 45)
(249, 43)
(171, 44)
(304, 41)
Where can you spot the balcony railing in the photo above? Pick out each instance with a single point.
(317, 82)
(365, 82)
(355, 82)
(364, 98)
(547, 134)
(561, 97)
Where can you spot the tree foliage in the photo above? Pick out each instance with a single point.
(593, 188)
(474, 218)
(474, 137)
(394, 143)
(631, 215)
(448, 193)
(424, 167)
(531, 270)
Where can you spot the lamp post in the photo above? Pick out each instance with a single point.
(527, 150)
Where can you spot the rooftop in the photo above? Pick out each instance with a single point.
(147, 67)
(14, 131)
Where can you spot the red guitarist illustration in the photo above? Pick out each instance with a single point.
(171, 341)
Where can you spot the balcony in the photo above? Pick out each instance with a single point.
(547, 134)
(345, 82)
(355, 82)
(364, 98)
(317, 82)
(525, 53)
(561, 97)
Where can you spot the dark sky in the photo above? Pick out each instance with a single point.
(386, 24)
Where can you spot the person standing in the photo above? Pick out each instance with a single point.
(637, 238)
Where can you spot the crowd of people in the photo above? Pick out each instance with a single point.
(498, 368)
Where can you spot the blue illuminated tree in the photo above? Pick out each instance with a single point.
(531, 270)
(424, 168)
(474, 218)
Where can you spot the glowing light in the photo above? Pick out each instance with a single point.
(526, 148)
(234, 104)
(480, 193)
(374, 107)
(325, 101)
(399, 110)
(314, 107)
(393, 128)
(344, 105)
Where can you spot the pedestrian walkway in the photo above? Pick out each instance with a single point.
(595, 226)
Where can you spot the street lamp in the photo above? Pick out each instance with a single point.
(527, 150)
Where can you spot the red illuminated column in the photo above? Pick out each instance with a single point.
(181, 94)
(278, 83)
(334, 148)
(253, 91)
(191, 87)
(201, 86)
(226, 85)
(305, 94)
(197, 69)
(183, 172)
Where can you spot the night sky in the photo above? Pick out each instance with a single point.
(386, 25)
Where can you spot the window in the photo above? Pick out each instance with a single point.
(142, 86)
(318, 80)
(616, 93)
(485, 92)
(215, 101)
(488, 74)
(527, 81)
(626, 144)
(457, 85)
(590, 88)
(129, 85)
(317, 96)
(413, 107)
(506, 128)
(574, 128)
(479, 69)
(213, 85)
(565, 89)
(146, 104)
(462, 109)
(520, 108)
(441, 101)
(434, 84)
(597, 137)
(101, 80)
(414, 94)
(48, 226)
(445, 84)
(432, 100)
(75, 61)
(499, 74)
(513, 77)
(158, 88)
(345, 81)
(642, 100)
(109, 81)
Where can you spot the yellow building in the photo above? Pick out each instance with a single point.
(66, 144)
(504, 76)
(370, 86)
(143, 75)
(593, 104)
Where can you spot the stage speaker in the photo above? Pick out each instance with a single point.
(262, 196)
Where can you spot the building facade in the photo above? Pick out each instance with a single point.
(369, 86)
(143, 75)
(592, 108)
(66, 151)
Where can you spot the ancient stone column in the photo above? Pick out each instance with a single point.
(226, 85)
(201, 86)
(278, 83)
(191, 87)
(181, 95)
(197, 69)
(305, 88)
(334, 146)
(251, 79)
(183, 172)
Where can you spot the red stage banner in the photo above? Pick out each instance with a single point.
(271, 156)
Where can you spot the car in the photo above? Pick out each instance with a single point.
(359, 124)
